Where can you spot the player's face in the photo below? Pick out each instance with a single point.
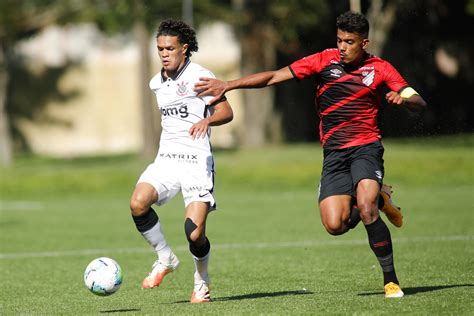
(172, 53)
(351, 47)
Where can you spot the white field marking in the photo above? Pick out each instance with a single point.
(20, 205)
(261, 245)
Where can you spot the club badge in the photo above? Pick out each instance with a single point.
(368, 77)
(182, 88)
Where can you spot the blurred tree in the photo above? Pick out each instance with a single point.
(18, 20)
(22, 19)
(429, 45)
(266, 28)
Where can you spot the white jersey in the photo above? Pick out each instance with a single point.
(182, 164)
(180, 108)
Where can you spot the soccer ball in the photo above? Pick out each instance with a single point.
(103, 276)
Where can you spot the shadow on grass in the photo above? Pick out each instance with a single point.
(255, 296)
(125, 310)
(420, 289)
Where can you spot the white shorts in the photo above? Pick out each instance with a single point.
(190, 173)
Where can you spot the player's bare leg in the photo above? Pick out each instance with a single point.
(378, 233)
(148, 224)
(335, 212)
(385, 204)
(195, 228)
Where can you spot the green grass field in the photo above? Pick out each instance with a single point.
(270, 252)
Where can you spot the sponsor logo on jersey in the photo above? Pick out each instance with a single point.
(368, 77)
(189, 158)
(182, 88)
(181, 111)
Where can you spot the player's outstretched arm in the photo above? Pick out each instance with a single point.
(217, 88)
(222, 114)
(408, 98)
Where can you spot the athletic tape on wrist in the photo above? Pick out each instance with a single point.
(408, 92)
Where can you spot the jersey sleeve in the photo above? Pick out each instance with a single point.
(393, 79)
(155, 82)
(306, 66)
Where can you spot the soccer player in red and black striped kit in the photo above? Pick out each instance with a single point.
(348, 95)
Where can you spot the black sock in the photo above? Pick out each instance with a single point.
(354, 217)
(381, 244)
(200, 251)
(381, 202)
(146, 221)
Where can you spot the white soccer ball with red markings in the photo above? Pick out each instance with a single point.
(103, 276)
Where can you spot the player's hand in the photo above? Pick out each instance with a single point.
(210, 86)
(199, 129)
(394, 98)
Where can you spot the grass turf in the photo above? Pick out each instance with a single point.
(270, 253)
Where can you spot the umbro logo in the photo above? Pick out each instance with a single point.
(335, 72)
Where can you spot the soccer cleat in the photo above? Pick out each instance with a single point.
(158, 272)
(392, 211)
(393, 290)
(201, 293)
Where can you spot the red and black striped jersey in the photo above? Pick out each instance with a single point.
(348, 98)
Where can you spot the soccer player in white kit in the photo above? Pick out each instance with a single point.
(184, 162)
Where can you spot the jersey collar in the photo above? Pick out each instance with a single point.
(177, 74)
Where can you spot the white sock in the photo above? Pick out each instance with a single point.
(156, 239)
(201, 265)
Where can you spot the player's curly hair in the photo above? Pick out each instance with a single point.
(353, 22)
(185, 34)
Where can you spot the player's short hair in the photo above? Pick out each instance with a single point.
(353, 22)
(184, 33)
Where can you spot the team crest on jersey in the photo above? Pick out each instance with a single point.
(182, 88)
(368, 77)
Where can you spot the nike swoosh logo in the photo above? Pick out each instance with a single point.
(203, 195)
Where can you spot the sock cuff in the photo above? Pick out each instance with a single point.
(381, 202)
(374, 224)
(202, 251)
(147, 221)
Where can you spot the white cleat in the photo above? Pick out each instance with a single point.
(158, 272)
(201, 293)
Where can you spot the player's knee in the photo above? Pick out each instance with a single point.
(368, 211)
(193, 232)
(138, 205)
(335, 227)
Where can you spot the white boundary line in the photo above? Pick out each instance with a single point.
(260, 245)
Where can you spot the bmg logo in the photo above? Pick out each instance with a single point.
(181, 111)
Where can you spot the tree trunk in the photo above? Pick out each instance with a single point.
(149, 134)
(258, 54)
(257, 40)
(6, 153)
(381, 21)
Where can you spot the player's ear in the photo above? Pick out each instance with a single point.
(185, 48)
(365, 43)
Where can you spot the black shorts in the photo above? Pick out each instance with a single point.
(344, 168)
